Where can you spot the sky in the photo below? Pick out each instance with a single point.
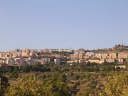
(63, 23)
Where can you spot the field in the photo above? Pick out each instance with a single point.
(64, 80)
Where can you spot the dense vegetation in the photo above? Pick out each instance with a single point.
(64, 80)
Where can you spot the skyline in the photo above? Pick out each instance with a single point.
(89, 49)
(63, 24)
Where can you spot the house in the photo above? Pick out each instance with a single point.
(96, 60)
(120, 61)
(120, 67)
(19, 61)
(10, 61)
(123, 55)
(2, 61)
(110, 60)
(45, 60)
(57, 60)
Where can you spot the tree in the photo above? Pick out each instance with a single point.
(3, 84)
(27, 86)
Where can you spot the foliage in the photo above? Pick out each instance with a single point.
(31, 85)
(64, 80)
(3, 84)
(117, 85)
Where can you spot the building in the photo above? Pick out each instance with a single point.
(97, 61)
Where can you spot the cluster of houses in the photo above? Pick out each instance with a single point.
(117, 54)
(21, 57)
(99, 57)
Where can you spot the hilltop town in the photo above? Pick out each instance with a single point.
(20, 57)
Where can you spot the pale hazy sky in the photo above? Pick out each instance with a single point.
(63, 23)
